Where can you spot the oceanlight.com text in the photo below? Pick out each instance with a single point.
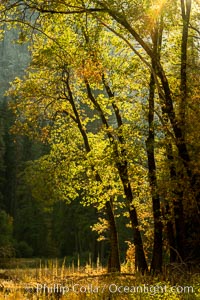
(113, 289)
(150, 289)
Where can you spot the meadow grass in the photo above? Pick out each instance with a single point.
(53, 281)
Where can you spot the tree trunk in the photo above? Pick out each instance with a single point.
(140, 260)
(139, 250)
(177, 206)
(171, 236)
(114, 261)
(156, 263)
(185, 9)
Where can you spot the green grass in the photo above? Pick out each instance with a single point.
(54, 281)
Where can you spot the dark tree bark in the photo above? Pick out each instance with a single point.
(170, 234)
(156, 263)
(177, 207)
(139, 250)
(185, 9)
(114, 262)
(191, 218)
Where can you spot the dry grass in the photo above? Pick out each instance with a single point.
(51, 281)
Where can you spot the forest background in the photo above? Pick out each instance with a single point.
(100, 135)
